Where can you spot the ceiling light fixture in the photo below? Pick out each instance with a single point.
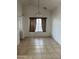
(38, 14)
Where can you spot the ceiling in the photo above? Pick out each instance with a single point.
(45, 4)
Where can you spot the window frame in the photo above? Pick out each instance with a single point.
(38, 18)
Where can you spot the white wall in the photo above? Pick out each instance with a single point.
(19, 15)
(30, 11)
(56, 24)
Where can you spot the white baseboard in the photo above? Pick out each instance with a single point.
(56, 40)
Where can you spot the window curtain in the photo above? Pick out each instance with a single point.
(44, 24)
(32, 24)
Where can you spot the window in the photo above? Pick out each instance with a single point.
(38, 25)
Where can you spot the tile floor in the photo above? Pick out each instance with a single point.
(38, 48)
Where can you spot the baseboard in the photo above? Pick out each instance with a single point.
(37, 36)
(55, 40)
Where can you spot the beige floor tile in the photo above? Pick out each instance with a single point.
(24, 57)
(38, 48)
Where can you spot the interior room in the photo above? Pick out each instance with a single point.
(38, 29)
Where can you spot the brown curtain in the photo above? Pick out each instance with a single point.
(32, 24)
(44, 24)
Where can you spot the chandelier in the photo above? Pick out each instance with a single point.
(38, 14)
